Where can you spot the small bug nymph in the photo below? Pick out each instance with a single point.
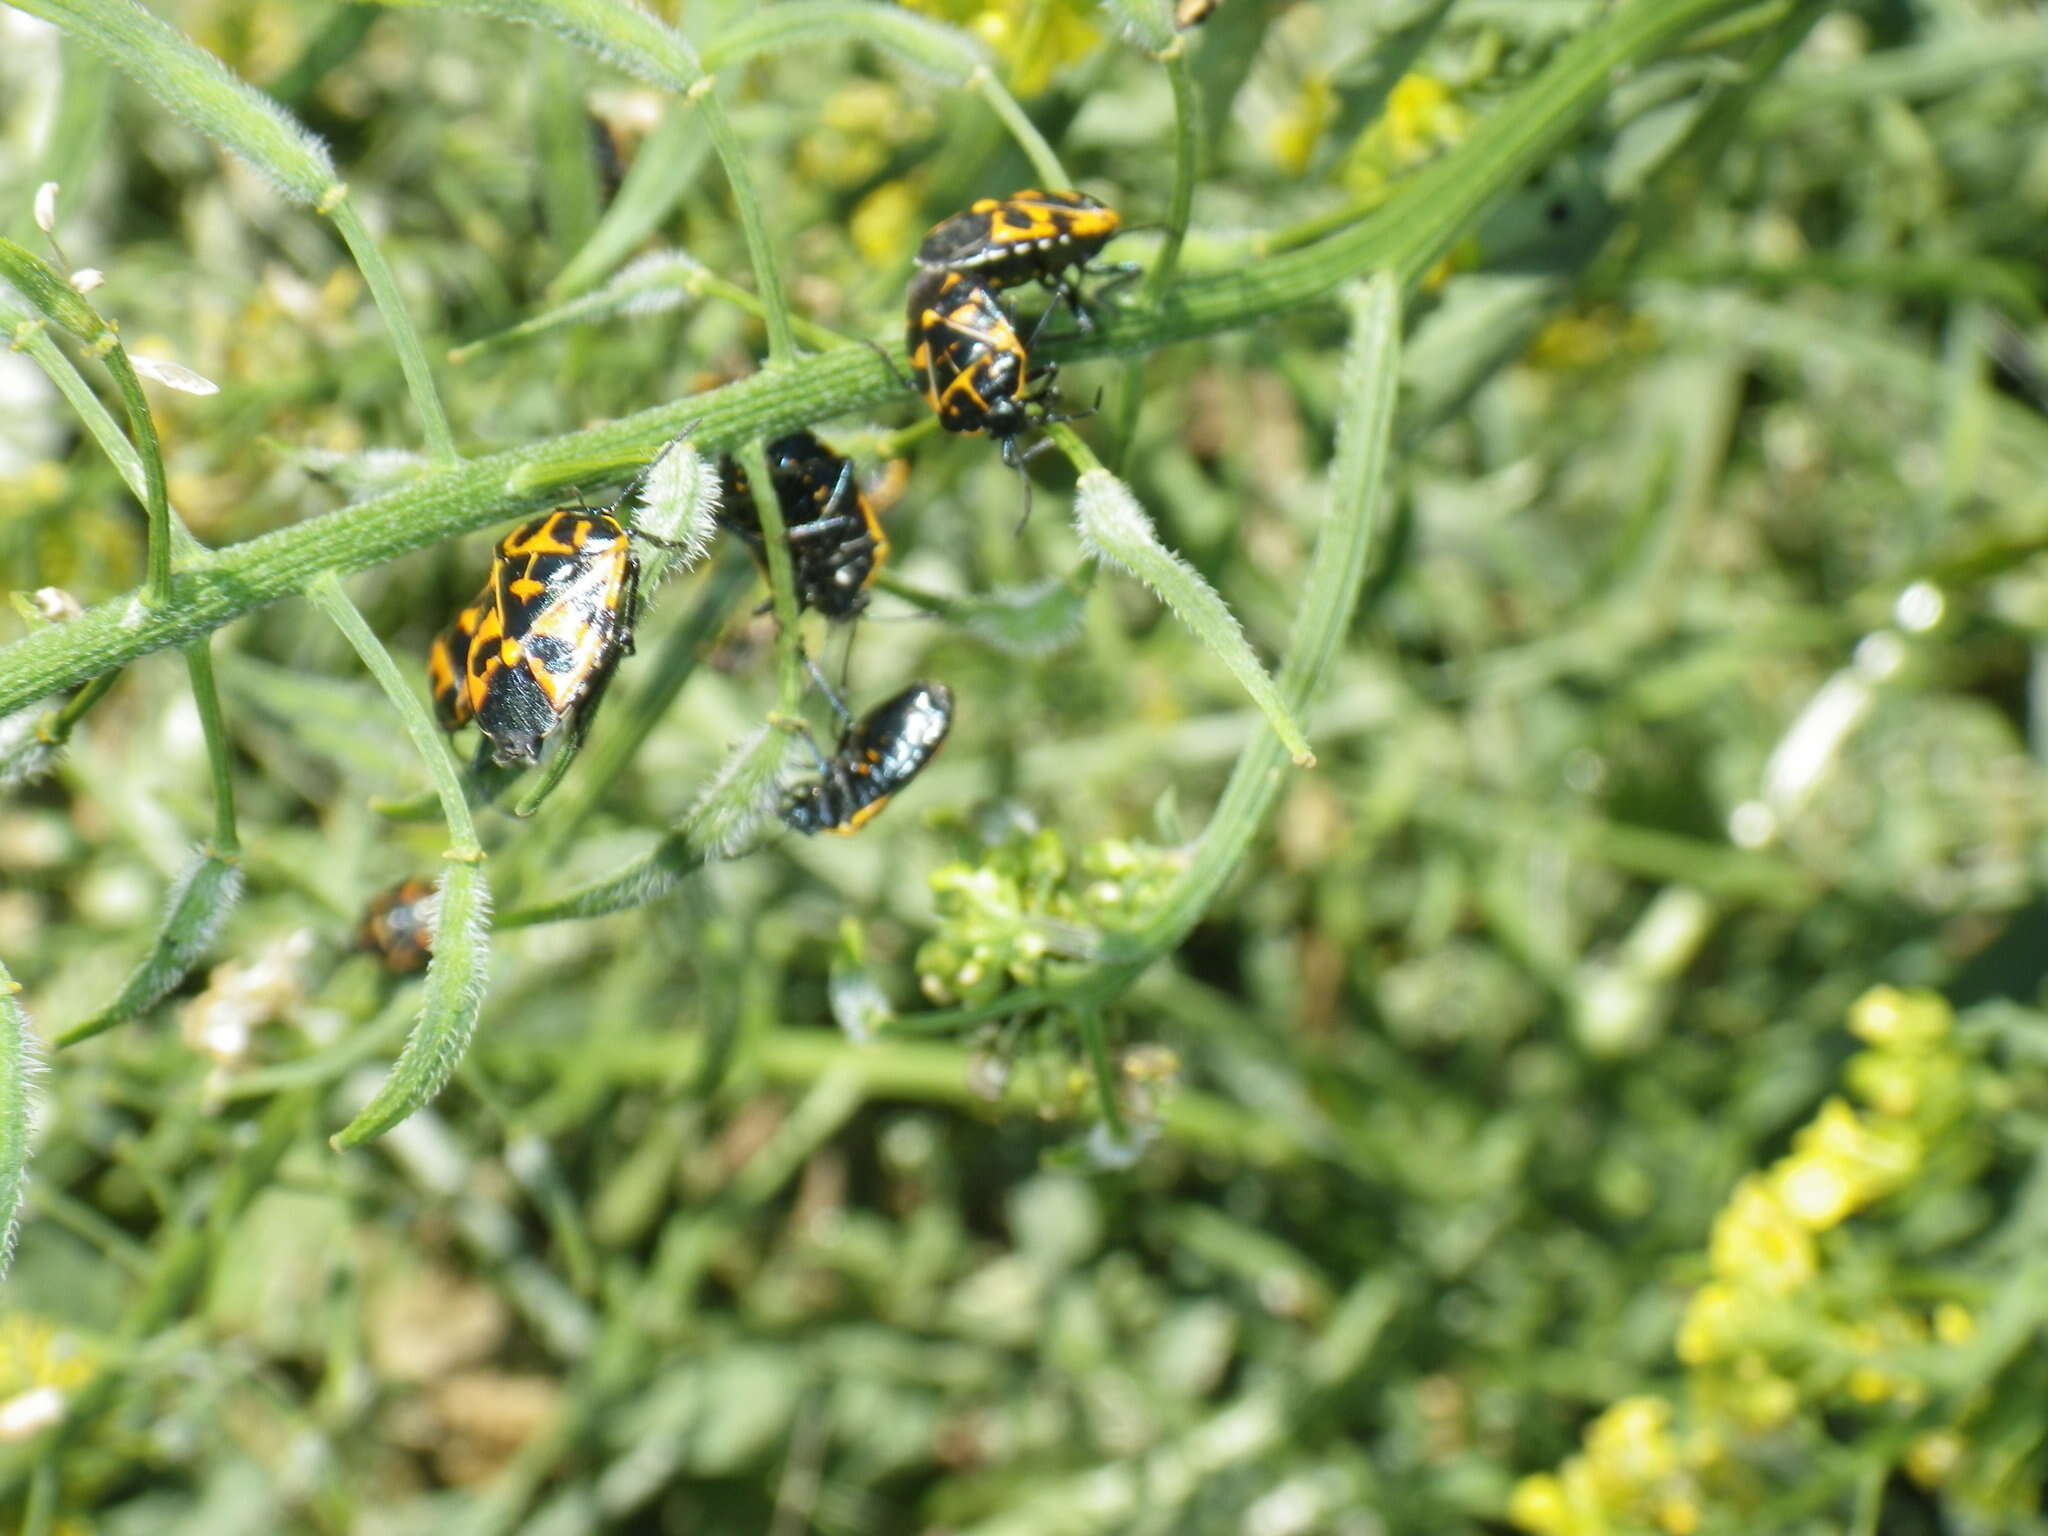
(398, 926)
(878, 755)
(836, 543)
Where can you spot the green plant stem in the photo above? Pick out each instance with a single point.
(1406, 236)
(1166, 265)
(1187, 126)
(325, 592)
(1045, 161)
(1095, 1040)
(156, 502)
(767, 275)
(781, 581)
(55, 728)
(199, 667)
(17, 1098)
(405, 338)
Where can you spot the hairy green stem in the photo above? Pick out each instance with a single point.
(17, 1097)
(405, 338)
(781, 581)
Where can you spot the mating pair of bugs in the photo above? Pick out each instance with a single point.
(966, 355)
(536, 648)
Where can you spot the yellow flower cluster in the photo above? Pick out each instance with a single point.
(1421, 120)
(1763, 1339)
(1632, 1475)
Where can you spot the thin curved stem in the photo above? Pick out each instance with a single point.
(405, 339)
(767, 275)
(1045, 160)
(199, 667)
(325, 592)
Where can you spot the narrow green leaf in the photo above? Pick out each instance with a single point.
(645, 879)
(1034, 620)
(724, 822)
(199, 902)
(650, 285)
(458, 974)
(1114, 527)
(661, 173)
(945, 54)
(620, 32)
(196, 86)
(1337, 579)
(18, 1068)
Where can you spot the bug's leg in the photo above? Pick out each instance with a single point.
(831, 697)
(797, 725)
(1015, 459)
(846, 657)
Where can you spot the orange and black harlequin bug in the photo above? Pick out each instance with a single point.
(1003, 241)
(971, 364)
(398, 926)
(538, 644)
(878, 754)
(836, 543)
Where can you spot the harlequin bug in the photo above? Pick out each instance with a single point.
(448, 662)
(398, 926)
(971, 364)
(836, 543)
(878, 755)
(1003, 241)
(973, 367)
(538, 645)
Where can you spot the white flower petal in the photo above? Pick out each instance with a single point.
(173, 375)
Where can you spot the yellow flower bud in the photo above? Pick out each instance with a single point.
(1900, 1021)
(1716, 1319)
(1538, 1505)
(1931, 1459)
(1954, 1324)
(1757, 1241)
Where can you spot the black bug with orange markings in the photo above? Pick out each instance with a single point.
(398, 926)
(537, 647)
(969, 362)
(1003, 241)
(836, 543)
(877, 756)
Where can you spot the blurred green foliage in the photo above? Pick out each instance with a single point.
(1700, 694)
